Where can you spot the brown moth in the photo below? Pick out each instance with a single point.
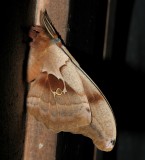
(61, 95)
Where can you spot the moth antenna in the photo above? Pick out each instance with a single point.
(44, 22)
(48, 25)
(49, 21)
(51, 35)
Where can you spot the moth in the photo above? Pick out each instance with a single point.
(61, 95)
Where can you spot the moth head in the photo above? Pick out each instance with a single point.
(40, 40)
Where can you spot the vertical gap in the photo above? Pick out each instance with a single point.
(122, 24)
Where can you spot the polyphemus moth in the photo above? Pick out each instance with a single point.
(61, 95)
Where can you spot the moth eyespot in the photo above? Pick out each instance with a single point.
(58, 92)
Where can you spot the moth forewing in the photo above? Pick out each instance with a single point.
(103, 126)
(102, 129)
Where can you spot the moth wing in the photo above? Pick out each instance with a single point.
(56, 97)
(102, 129)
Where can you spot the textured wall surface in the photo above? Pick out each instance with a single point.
(12, 86)
(13, 58)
